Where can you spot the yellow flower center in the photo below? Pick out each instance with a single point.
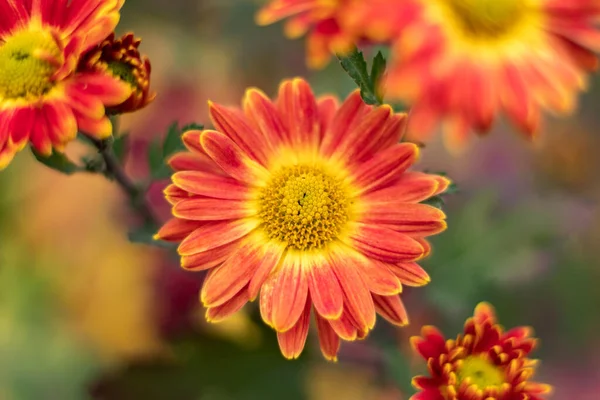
(482, 372)
(303, 207)
(487, 17)
(26, 65)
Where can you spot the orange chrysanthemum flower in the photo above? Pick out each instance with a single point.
(320, 19)
(310, 204)
(483, 363)
(42, 100)
(463, 62)
(122, 59)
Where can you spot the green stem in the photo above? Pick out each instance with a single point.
(115, 171)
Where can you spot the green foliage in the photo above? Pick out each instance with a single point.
(145, 235)
(58, 162)
(210, 368)
(356, 67)
(119, 146)
(482, 247)
(159, 150)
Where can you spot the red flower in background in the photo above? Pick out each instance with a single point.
(482, 363)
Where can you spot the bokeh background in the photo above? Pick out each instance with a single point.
(84, 313)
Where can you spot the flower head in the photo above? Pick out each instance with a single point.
(320, 19)
(462, 63)
(42, 99)
(482, 363)
(309, 204)
(122, 59)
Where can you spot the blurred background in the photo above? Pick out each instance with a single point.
(84, 314)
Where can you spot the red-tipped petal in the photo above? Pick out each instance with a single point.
(191, 140)
(291, 342)
(289, 292)
(328, 339)
(344, 328)
(379, 278)
(412, 187)
(230, 307)
(175, 229)
(220, 233)
(385, 167)
(384, 244)
(299, 109)
(259, 109)
(210, 258)
(188, 161)
(431, 343)
(210, 185)
(410, 273)
(391, 308)
(174, 195)
(412, 219)
(357, 298)
(234, 125)
(203, 209)
(272, 254)
(324, 288)
(232, 159)
(266, 300)
(233, 275)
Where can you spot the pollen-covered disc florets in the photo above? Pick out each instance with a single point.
(484, 362)
(487, 18)
(28, 60)
(303, 207)
(122, 59)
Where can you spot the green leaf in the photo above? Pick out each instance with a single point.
(377, 71)
(172, 143)
(160, 151)
(356, 67)
(58, 162)
(155, 158)
(436, 201)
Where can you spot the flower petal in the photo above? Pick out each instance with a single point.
(233, 124)
(272, 254)
(233, 160)
(210, 185)
(289, 292)
(235, 273)
(385, 167)
(431, 344)
(210, 258)
(383, 243)
(411, 187)
(203, 209)
(230, 307)
(266, 300)
(188, 161)
(410, 273)
(412, 219)
(391, 308)
(357, 298)
(328, 339)
(379, 278)
(220, 233)
(344, 328)
(291, 342)
(175, 229)
(325, 290)
(298, 107)
(259, 109)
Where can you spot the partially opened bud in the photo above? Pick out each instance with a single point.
(122, 59)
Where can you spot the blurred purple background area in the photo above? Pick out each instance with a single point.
(84, 313)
